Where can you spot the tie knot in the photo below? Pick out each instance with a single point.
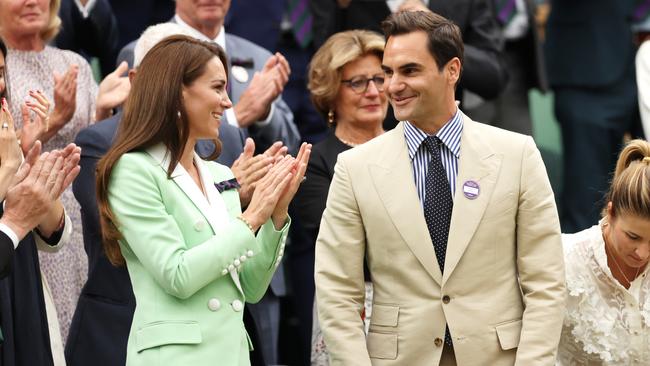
(433, 144)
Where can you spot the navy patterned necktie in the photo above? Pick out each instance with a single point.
(438, 204)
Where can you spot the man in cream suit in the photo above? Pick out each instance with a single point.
(456, 220)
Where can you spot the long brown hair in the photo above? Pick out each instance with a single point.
(154, 113)
(630, 188)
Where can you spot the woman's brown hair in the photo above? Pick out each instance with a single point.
(629, 192)
(153, 114)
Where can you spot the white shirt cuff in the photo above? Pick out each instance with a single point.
(11, 234)
(268, 118)
(85, 10)
(232, 119)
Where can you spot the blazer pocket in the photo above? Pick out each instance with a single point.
(382, 345)
(384, 315)
(167, 332)
(508, 334)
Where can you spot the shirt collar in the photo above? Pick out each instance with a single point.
(449, 134)
(220, 39)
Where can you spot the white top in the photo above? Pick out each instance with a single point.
(605, 323)
(643, 84)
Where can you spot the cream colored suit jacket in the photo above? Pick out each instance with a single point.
(504, 271)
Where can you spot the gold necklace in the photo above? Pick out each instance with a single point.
(348, 142)
(615, 261)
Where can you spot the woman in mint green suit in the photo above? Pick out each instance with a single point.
(175, 219)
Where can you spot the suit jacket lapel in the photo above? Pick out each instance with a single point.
(480, 164)
(396, 187)
(213, 210)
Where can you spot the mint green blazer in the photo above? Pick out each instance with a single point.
(192, 263)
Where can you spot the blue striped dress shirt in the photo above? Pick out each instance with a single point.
(420, 156)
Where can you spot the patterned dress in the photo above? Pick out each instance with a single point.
(66, 270)
(605, 324)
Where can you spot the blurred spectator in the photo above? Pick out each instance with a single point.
(590, 63)
(606, 273)
(133, 17)
(641, 29)
(66, 78)
(30, 196)
(283, 26)
(90, 29)
(346, 82)
(524, 61)
(483, 72)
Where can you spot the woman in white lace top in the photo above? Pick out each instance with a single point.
(607, 319)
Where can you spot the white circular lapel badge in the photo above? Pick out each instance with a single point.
(239, 73)
(471, 189)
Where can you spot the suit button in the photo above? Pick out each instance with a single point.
(437, 342)
(446, 299)
(214, 304)
(237, 305)
(199, 225)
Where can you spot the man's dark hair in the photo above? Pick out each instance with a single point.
(445, 39)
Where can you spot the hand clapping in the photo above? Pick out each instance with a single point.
(40, 182)
(274, 192)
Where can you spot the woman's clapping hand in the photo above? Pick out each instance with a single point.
(274, 192)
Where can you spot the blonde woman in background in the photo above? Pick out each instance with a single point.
(42, 72)
(347, 87)
(608, 310)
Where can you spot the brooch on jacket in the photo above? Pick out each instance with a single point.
(227, 184)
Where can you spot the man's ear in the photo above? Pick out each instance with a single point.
(452, 70)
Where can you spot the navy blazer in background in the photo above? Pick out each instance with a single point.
(94, 36)
(588, 42)
(22, 308)
(102, 320)
(6, 254)
(257, 21)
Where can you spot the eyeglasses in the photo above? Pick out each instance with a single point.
(360, 84)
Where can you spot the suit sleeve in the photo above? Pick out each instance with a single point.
(340, 250)
(6, 254)
(483, 69)
(540, 263)
(152, 235)
(280, 128)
